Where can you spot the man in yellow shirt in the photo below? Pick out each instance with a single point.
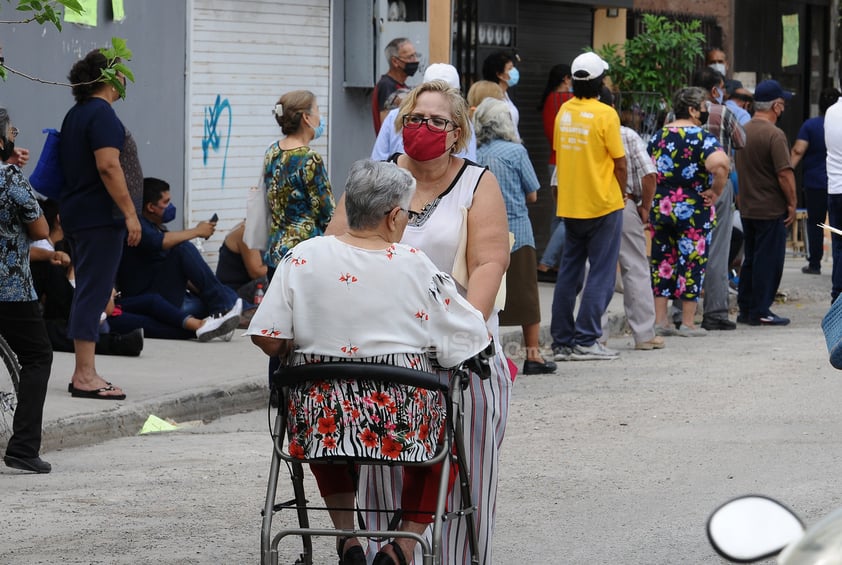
(591, 178)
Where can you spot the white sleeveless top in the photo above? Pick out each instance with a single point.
(436, 230)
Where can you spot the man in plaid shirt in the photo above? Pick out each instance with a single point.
(722, 123)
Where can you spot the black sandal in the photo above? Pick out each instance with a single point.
(354, 556)
(384, 559)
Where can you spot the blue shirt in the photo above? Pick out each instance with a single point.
(814, 160)
(18, 207)
(742, 115)
(138, 266)
(510, 163)
(85, 203)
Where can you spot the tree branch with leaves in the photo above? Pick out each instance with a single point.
(660, 59)
(48, 12)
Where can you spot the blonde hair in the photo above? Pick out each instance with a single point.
(483, 89)
(458, 109)
(290, 107)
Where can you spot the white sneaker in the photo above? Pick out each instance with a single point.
(222, 325)
(237, 307)
(594, 352)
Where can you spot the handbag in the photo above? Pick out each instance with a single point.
(832, 329)
(256, 233)
(48, 178)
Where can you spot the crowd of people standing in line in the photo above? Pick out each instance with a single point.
(465, 181)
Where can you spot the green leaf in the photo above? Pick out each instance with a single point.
(71, 5)
(127, 72)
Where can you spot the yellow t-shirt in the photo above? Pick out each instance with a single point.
(586, 141)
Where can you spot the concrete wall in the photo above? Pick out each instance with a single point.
(154, 108)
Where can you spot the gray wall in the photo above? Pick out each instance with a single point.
(154, 107)
(351, 128)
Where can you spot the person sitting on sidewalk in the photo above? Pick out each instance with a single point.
(52, 274)
(240, 267)
(167, 263)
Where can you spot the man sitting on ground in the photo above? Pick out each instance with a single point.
(167, 263)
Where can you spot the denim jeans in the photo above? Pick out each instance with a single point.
(184, 263)
(158, 318)
(763, 266)
(555, 246)
(596, 241)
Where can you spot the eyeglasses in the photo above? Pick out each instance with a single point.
(14, 132)
(414, 58)
(434, 123)
(411, 214)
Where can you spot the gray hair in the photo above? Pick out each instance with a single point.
(373, 189)
(394, 47)
(4, 122)
(493, 120)
(763, 106)
(686, 98)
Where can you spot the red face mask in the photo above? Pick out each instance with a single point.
(422, 144)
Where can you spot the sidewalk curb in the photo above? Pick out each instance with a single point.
(209, 404)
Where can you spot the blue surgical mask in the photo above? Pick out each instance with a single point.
(719, 97)
(514, 76)
(319, 130)
(169, 213)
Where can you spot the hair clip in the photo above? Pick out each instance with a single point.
(279, 110)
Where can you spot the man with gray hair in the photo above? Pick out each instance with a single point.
(390, 89)
(767, 206)
(389, 141)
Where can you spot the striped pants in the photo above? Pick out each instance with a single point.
(486, 408)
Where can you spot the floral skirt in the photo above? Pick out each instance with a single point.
(364, 419)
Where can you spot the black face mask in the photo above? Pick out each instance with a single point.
(8, 150)
(703, 117)
(410, 68)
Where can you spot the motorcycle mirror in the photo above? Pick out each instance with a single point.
(753, 527)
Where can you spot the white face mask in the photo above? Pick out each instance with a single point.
(718, 67)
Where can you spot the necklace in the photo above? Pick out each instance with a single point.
(435, 187)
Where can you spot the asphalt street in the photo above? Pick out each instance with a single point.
(603, 462)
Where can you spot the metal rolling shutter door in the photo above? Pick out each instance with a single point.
(549, 33)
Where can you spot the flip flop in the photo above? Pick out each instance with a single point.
(70, 386)
(76, 393)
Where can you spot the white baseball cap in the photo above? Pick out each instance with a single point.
(442, 71)
(588, 66)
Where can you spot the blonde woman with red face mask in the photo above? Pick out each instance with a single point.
(433, 121)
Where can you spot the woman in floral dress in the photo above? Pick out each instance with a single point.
(692, 169)
(361, 296)
(294, 176)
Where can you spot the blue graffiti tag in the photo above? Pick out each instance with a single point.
(211, 137)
